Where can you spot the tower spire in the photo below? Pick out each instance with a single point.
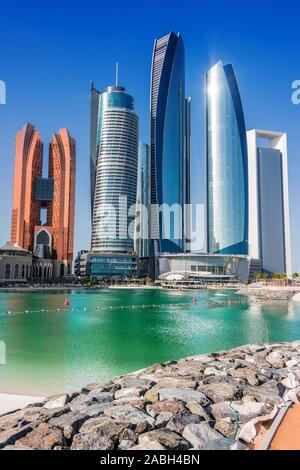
(117, 73)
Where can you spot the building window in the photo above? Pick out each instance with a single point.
(62, 270)
(17, 271)
(23, 271)
(43, 238)
(7, 271)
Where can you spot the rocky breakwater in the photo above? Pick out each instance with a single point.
(184, 404)
(269, 293)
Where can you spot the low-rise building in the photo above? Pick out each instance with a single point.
(80, 264)
(108, 265)
(193, 269)
(15, 264)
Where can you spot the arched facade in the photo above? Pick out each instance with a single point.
(15, 264)
(7, 271)
(43, 269)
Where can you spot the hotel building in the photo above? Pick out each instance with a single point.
(49, 237)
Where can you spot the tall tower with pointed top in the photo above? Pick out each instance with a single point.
(169, 149)
(51, 240)
(28, 167)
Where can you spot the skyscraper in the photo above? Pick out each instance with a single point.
(269, 221)
(143, 202)
(62, 169)
(168, 147)
(28, 167)
(188, 214)
(116, 171)
(51, 242)
(226, 163)
(114, 168)
(94, 141)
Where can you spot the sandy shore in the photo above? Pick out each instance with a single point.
(10, 402)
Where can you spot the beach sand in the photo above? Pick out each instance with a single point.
(9, 402)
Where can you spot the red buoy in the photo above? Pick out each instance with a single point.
(66, 304)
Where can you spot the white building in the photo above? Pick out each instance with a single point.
(194, 269)
(15, 264)
(269, 220)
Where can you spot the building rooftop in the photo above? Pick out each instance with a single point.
(10, 247)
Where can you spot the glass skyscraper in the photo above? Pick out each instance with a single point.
(114, 166)
(226, 164)
(168, 146)
(95, 97)
(143, 202)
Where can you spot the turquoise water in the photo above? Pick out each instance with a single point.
(48, 352)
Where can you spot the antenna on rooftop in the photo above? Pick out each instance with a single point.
(117, 73)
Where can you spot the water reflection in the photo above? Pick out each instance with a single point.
(95, 339)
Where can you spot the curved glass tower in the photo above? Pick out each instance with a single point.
(168, 149)
(115, 172)
(227, 164)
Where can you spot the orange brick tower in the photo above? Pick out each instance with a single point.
(51, 243)
(62, 168)
(28, 166)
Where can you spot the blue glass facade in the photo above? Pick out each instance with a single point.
(143, 202)
(168, 162)
(95, 96)
(112, 266)
(227, 164)
(44, 189)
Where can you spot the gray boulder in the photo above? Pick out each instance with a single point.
(184, 395)
(199, 435)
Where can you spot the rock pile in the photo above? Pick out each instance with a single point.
(187, 404)
(269, 293)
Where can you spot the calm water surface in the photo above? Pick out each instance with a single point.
(47, 352)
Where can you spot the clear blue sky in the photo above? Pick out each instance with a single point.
(50, 52)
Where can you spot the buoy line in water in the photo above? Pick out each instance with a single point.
(195, 302)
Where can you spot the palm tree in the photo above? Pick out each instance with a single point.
(283, 276)
(265, 277)
(295, 276)
(256, 276)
